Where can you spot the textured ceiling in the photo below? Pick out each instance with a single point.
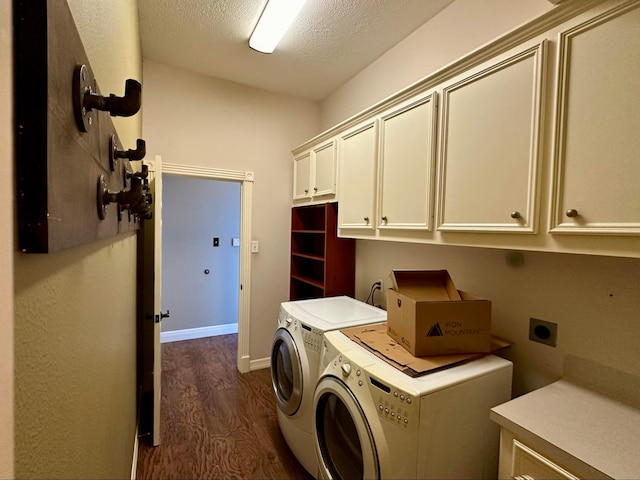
(329, 42)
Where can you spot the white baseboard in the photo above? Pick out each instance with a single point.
(201, 332)
(260, 363)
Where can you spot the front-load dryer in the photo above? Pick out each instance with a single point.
(295, 362)
(373, 421)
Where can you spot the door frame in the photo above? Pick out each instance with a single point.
(246, 180)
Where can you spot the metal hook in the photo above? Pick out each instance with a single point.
(132, 155)
(85, 101)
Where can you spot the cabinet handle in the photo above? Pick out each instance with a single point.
(515, 214)
(315, 189)
(385, 219)
(571, 213)
(366, 219)
(306, 190)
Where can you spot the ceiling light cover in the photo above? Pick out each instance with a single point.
(273, 24)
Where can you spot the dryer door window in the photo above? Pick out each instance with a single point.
(343, 438)
(286, 372)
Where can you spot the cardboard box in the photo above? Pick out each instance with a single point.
(374, 338)
(428, 316)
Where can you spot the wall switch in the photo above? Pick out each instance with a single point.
(255, 246)
(235, 242)
(543, 332)
(216, 242)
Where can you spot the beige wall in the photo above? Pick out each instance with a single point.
(594, 300)
(6, 253)
(75, 342)
(192, 119)
(455, 31)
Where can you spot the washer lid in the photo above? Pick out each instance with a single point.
(334, 312)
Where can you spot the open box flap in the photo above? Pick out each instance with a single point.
(424, 285)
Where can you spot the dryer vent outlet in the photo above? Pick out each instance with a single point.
(542, 331)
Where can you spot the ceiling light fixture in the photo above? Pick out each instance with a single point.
(275, 20)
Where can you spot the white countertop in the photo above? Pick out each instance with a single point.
(588, 432)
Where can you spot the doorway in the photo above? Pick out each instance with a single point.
(200, 257)
(245, 179)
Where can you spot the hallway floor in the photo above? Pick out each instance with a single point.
(215, 422)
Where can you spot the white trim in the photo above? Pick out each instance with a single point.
(199, 332)
(134, 461)
(260, 363)
(246, 215)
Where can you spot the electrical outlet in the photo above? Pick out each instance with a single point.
(543, 332)
(380, 283)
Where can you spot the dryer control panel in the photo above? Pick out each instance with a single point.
(392, 405)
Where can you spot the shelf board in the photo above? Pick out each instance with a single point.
(309, 281)
(306, 255)
(308, 231)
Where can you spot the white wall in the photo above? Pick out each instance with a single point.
(194, 211)
(75, 311)
(6, 239)
(594, 300)
(192, 119)
(457, 30)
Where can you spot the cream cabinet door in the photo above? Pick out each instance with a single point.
(527, 464)
(407, 161)
(324, 159)
(358, 169)
(301, 176)
(597, 149)
(490, 145)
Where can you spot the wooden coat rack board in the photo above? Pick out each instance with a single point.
(73, 186)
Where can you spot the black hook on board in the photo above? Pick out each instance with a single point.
(85, 101)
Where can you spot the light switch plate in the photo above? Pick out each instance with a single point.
(255, 246)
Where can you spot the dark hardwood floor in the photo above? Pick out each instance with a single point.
(216, 422)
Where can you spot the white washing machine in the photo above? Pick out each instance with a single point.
(295, 362)
(375, 422)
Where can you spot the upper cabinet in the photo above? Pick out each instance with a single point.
(490, 145)
(325, 169)
(315, 173)
(357, 154)
(302, 176)
(597, 140)
(530, 142)
(407, 164)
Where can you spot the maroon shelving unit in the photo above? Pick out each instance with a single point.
(322, 265)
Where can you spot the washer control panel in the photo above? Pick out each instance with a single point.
(312, 337)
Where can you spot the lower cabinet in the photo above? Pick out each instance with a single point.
(524, 463)
(565, 430)
(322, 265)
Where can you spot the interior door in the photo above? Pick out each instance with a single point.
(150, 254)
